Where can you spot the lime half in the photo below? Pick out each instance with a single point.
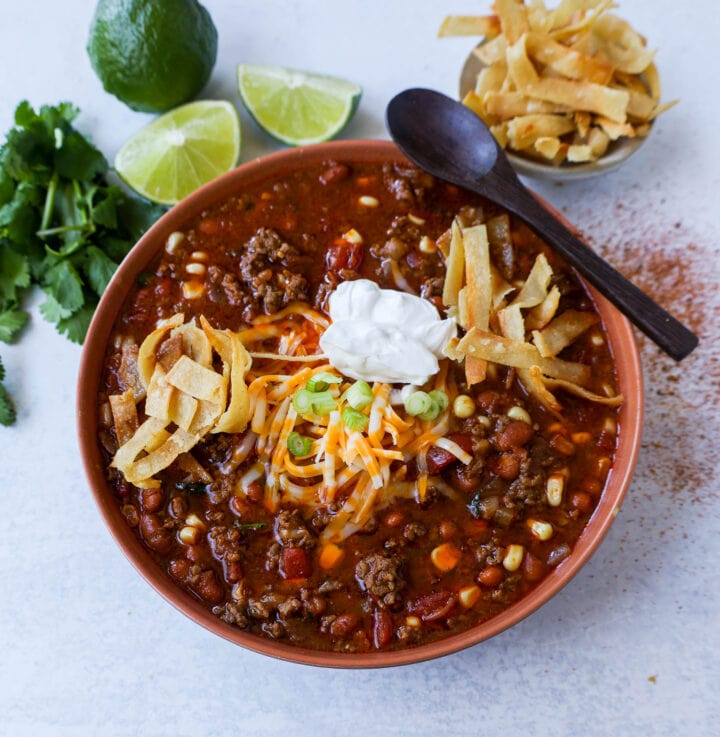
(181, 150)
(296, 107)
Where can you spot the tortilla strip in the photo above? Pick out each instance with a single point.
(479, 293)
(193, 468)
(534, 290)
(524, 130)
(124, 414)
(566, 61)
(490, 79)
(128, 452)
(513, 19)
(579, 391)
(562, 331)
(146, 356)
(520, 68)
(195, 343)
(614, 130)
(595, 98)
(128, 370)
(548, 146)
(470, 25)
(491, 347)
(454, 267)
(206, 416)
(536, 386)
(579, 153)
(183, 409)
(512, 104)
(237, 414)
(538, 317)
(492, 51)
(179, 442)
(159, 395)
(197, 381)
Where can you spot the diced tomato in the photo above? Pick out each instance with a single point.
(433, 606)
(382, 628)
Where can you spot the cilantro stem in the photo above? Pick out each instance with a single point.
(49, 202)
(64, 229)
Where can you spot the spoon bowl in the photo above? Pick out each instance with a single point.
(448, 140)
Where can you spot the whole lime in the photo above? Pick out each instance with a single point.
(152, 54)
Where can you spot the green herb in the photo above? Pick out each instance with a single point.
(323, 403)
(62, 225)
(299, 445)
(192, 487)
(7, 408)
(319, 403)
(302, 401)
(353, 419)
(418, 403)
(359, 395)
(321, 381)
(440, 399)
(250, 525)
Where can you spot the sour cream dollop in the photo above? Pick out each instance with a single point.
(383, 334)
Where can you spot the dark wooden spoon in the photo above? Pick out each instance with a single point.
(448, 140)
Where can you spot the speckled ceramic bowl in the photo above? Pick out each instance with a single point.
(629, 377)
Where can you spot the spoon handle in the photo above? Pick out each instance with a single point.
(660, 326)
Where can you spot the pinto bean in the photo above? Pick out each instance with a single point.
(343, 625)
(514, 435)
(155, 535)
(179, 568)
(255, 491)
(433, 606)
(294, 563)
(448, 529)
(151, 499)
(460, 479)
(533, 567)
(233, 571)
(506, 466)
(394, 519)
(209, 588)
(490, 576)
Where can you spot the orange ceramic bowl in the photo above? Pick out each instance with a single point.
(629, 377)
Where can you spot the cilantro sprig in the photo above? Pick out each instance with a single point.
(7, 408)
(63, 226)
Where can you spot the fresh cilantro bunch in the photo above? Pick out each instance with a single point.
(63, 226)
(7, 408)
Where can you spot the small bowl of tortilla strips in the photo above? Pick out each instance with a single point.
(569, 92)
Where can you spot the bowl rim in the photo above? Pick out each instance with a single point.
(622, 345)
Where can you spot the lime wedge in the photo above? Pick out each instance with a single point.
(181, 150)
(295, 107)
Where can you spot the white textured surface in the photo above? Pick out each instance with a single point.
(89, 649)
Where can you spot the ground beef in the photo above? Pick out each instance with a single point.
(290, 606)
(272, 557)
(407, 635)
(404, 229)
(290, 530)
(271, 268)
(232, 614)
(393, 248)
(405, 183)
(413, 531)
(432, 287)
(380, 576)
(224, 287)
(221, 489)
(276, 630)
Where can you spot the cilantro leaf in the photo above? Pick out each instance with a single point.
(98, 268)
(52, 310)
(14, 274)
(76, 326)
(7, 408)
(64, 283)
(11, 323)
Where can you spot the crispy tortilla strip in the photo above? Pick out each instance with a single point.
(198, 381)
(183, 409)
(159, 395)
(500, 288)
(479, 292)
(128, 371)
(621, 44)
(534, 290)
(513, 19)
(641, 105)
(124, 414)
(614, 130)
(566, 61)
(652, 80)
(128, 452)
(595, 98)
(511, 104)
(579, 391)
(157, 440)
(538, 317)
(470, 25)
(511, 322)
(547, 146)
(490, 79)
(586, 20)
(583, 121)
(491, 52)
(483, 344)
(237, 415)
(454, 267)
(473, 101)
(662, 108)
(520, 68)
(598, 141)
(533, 382)
(500, 134)
(146, 356)
(195, 343)
(205, 418)
(578, 153)
(562, 331)
(566, 9)
(462, 308)
(179, 442)
(193, 468)
(524, 130)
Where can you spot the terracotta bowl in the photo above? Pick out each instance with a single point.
(622, 344)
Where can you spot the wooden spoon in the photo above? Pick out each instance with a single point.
(448, 140)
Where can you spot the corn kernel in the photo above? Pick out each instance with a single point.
(194, 521)
(610, 426)
(199, 256)
(193, 290)
(352, 236)
(189, 535)
(368, 201)
(445, 557)
(463, 406)
(416, 219)
(513, 557)
(519, 414)
(468, 595)
(581, 438)
(554, 489)
(603, 466)
(541, 530)
(427, 245)
(413, 622)
(485, 421)
(173, 242)
(196, 269)
(597, 339)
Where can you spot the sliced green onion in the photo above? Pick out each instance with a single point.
(299, 445)
(418, 403)
(321, 382)
(303, 401)
(432, 413)
(353, 419)
(359, 395)
(323, 403)
(441, 399)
